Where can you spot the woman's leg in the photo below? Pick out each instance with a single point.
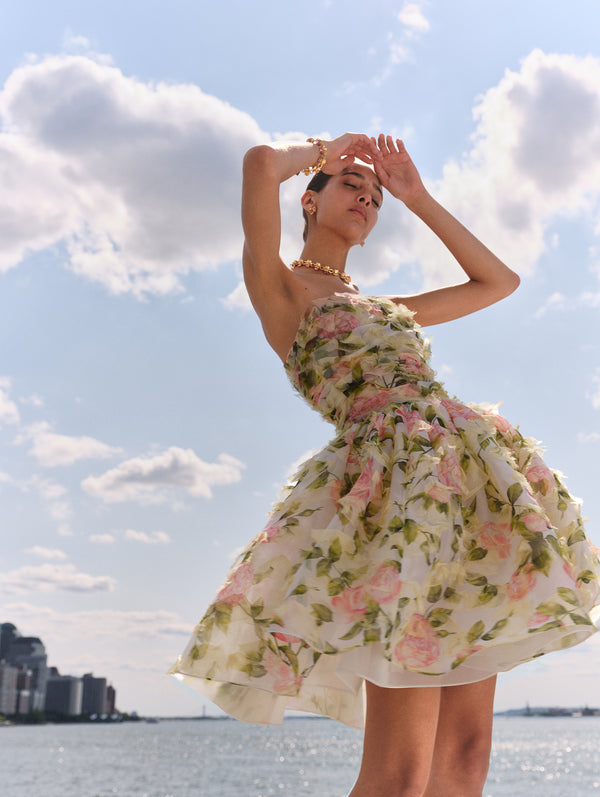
(400, 733)
(463, 741)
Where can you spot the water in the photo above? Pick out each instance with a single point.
(557, 757)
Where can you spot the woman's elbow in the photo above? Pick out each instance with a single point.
(259, 158)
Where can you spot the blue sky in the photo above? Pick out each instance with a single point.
(145, 426)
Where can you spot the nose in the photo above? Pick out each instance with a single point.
(365, 199)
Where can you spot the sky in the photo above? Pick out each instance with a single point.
(145, 425)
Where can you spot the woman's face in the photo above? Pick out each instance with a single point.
(349, 203)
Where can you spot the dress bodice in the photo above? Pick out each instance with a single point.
(354, 355)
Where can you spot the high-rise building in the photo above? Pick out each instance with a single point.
(94, 695)
(8, 688)
(28, 652)
(111, 699)
(8, 633)
(64, 693)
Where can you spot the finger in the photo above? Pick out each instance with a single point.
(381, 143)
(390, 144)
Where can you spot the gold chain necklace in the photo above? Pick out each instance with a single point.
(325, 269)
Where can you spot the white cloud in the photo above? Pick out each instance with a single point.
(50, 578)
(412, 17)
(588, 437)
(556, 301)
(238, 299)
(155, 537)
(52, 449)
(149, 479)
(47, 553)
(141, 181)
(9, 412)
(102, 539)
(594, 394)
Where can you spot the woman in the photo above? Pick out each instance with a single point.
(427, 547)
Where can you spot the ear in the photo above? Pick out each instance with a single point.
(308, 201)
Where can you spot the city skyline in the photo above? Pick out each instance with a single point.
(145, 426)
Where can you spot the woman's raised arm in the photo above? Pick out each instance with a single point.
(489, 278)
(265, 168)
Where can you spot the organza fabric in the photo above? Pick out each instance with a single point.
(427, 544)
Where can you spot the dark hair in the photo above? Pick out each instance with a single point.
(317, 183)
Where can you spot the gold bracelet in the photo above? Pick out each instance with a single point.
(320, 164)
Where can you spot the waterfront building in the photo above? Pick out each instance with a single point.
(111, 699)
(29, 654)
(94, 695)
(8, 633)
(8, 688)
(64, 693)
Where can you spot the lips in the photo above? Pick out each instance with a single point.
(361, 213)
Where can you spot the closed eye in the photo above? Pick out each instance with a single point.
(373, 200)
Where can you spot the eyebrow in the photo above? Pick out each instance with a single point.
(362, 177)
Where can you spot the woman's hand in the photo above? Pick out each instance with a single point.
(395, 169)
(343, 150)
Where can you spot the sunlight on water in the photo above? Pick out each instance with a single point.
(305, 757)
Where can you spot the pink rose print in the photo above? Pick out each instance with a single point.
(237, 584)
(367, 484)
(288, 639)
(436, 433)
(540, 472)
(538, 619)
(535, 522)
(439, 493)
(413, 420)
(413, 364)
(363, 405)
(449, 472)
(335, 490)
(333, 324)
(521, 583)
(385, 585)
(465, 652)
(503, 426)
(496, 537)
(409, 390)
(351, 603)
(285, 681)
(458, 411)
(419, 647)
(270, 531)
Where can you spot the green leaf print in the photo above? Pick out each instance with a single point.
(514, 492)
(475, 631)
(542, 561)
(495, 629)
(568, 595)
(372, 634)
(335, 550)
(580, 619)
(198, 651)
(551, 609)
(321, 613)
(586, 576)
(300, 589)
(335, 587)
(577, 536)
(222, 615)
(257, 609)
(476, 581)
(487, 593)
(354, 631)
(410, 530)
(477, 553)
(434, 594)
(438, 617)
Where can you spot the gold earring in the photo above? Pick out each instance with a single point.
(312, 211)
(362, 243)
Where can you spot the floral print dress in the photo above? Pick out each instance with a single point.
(427, 544)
